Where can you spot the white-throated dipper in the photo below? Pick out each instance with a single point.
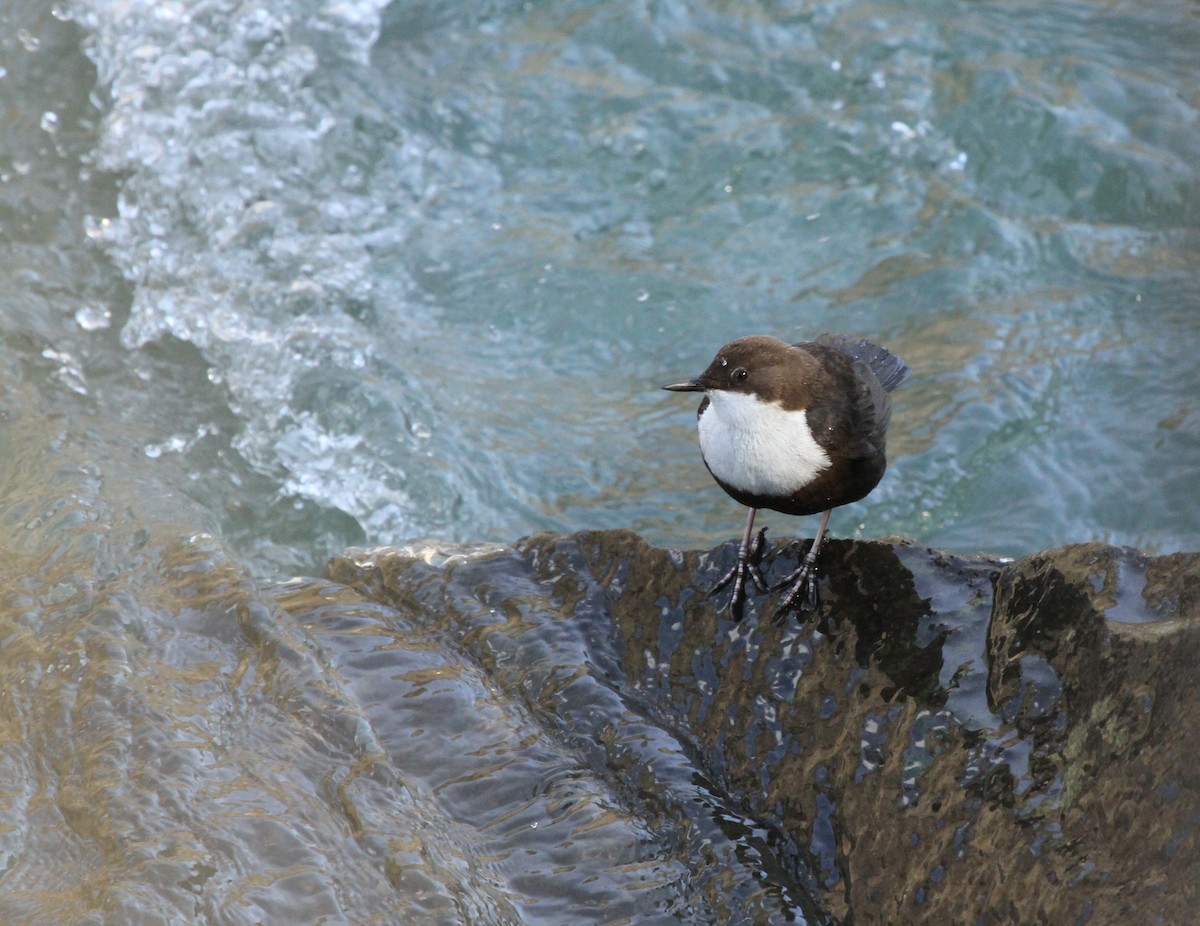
(797, 428)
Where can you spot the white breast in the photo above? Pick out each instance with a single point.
(756, 446)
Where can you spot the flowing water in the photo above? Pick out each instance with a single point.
(284, 277)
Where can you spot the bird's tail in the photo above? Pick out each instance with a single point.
(890, 369)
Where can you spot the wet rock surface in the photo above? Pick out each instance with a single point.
(948, 739)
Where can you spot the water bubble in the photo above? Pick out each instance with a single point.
(93, 318)
(174, 444)
(97, 229)
(28, 40)
(49, 122)
(62, 12)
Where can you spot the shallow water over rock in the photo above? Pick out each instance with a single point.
(921, 750)
(566, 730)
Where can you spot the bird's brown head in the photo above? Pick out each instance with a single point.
(758, 365)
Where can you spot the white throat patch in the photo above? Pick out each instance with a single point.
(756, 446)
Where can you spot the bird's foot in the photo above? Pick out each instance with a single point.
(746, 566)
(801, 591)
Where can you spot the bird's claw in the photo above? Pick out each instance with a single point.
(802, 590)
(746, 565)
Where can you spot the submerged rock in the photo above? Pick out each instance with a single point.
(947, 740)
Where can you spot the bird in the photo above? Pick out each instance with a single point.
(796, 428)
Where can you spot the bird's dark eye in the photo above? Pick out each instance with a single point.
(739, 374)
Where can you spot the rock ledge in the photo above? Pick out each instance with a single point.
(948, 740)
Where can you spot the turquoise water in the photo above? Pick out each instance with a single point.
(419, 270)
(277, 279)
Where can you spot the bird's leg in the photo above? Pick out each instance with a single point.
(803, 582)
(747, 564)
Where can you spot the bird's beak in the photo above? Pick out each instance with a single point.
(690, 386)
